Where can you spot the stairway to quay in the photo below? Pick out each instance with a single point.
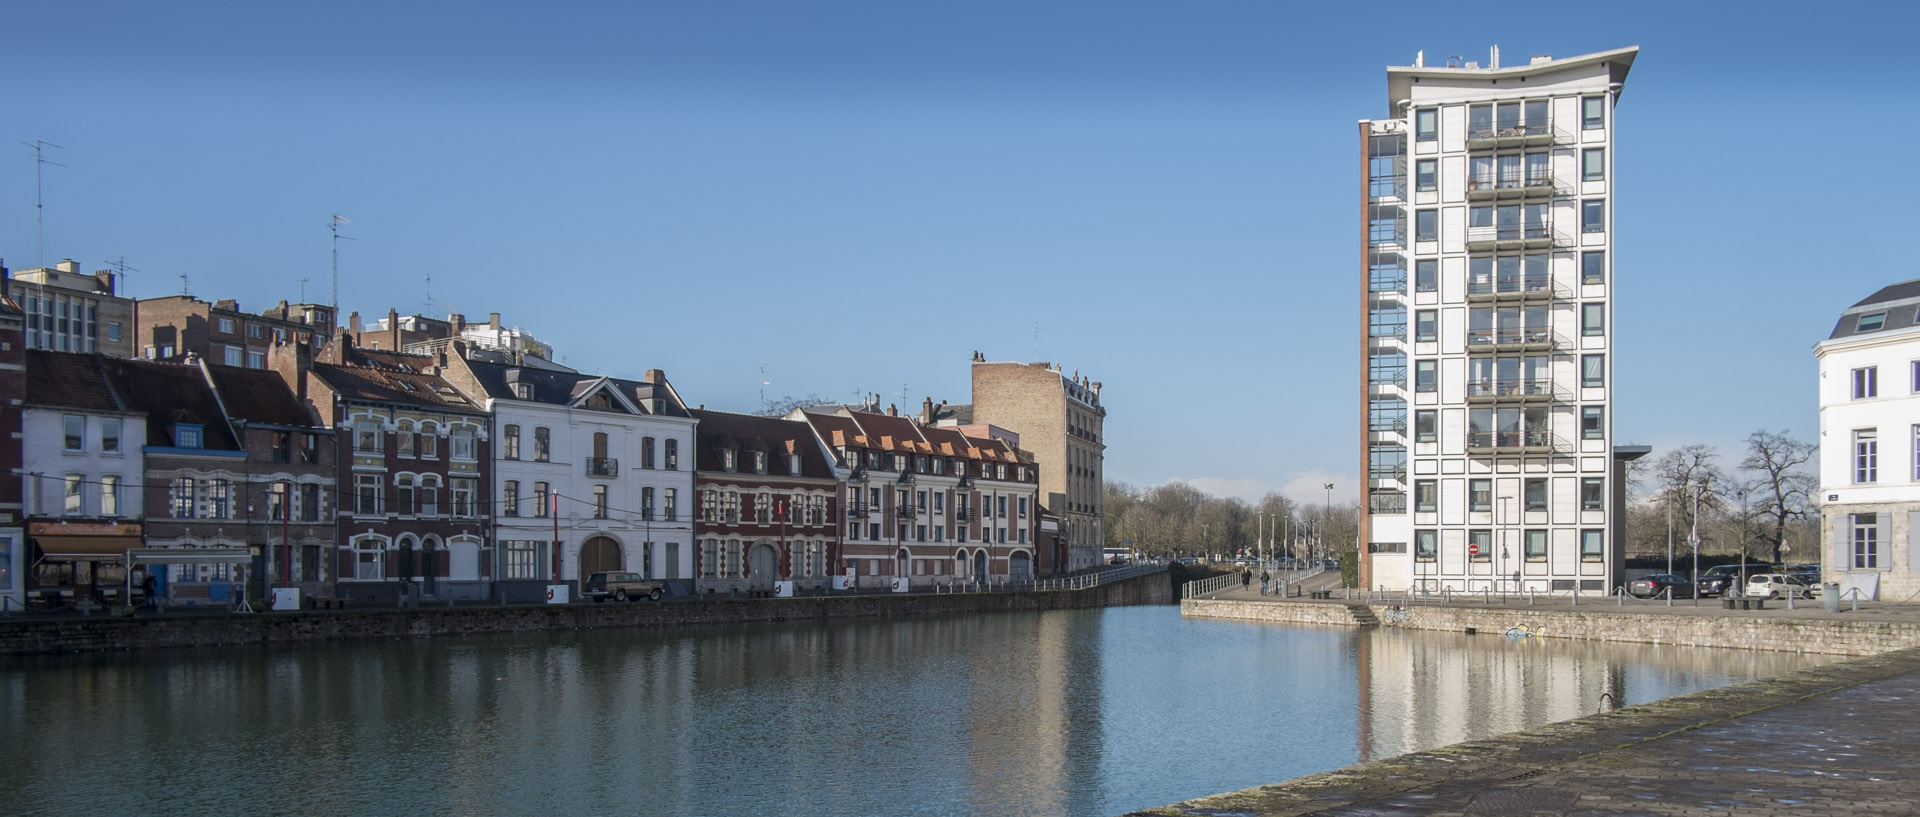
(1830, 740)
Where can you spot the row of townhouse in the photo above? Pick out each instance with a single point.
(478, 471)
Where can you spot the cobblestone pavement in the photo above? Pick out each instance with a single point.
(1833, 740)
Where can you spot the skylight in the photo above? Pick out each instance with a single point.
(1869, 323)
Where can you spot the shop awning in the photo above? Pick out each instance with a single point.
(83, 547)
(185, 556)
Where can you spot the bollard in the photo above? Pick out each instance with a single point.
(1789, 599)
(1529, 597)
(1575, 593)
(1622, 594)
(1669, 597)
(1486, 595)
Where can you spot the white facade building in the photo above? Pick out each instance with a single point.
(1870, 445)
(1486, 251)
(605, 464)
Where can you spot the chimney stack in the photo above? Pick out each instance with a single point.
(103, 282)
(493, 320)
(654, 377)
(68, 265)
(393, 329)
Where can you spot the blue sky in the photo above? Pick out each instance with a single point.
(859, 195)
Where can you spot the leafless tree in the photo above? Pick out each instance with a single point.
(1783, 489)
(1685, 473)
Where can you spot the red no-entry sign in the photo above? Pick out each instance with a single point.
(1473, 550)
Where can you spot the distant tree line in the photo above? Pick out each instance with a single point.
(1761, 509)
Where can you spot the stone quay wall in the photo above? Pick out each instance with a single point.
(1788, 634)
(118, 633)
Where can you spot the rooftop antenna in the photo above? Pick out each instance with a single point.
(428, 303)
(903, 394)
(763, 388)
(121, 268)
(333, 225)
(303, 289)
(1036, 340)
(39, 161)
(185, 286)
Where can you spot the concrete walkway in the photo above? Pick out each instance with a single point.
(1775, 609)
(1831, 740)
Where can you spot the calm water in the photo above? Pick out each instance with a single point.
(1064, 713)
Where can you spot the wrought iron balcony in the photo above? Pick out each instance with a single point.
(859, 509)
(961, 515)
(602, 467)
(907, 512)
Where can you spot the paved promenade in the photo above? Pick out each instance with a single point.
(1832, 740)
(1776, 609)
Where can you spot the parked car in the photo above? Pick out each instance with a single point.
(1718, 580)
(1656, 585)
(622, 587)
(1775, 585)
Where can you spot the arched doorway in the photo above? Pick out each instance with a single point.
(429, 561)
(463, 560)
(980, 566)
(765, 564)
(1020, 566)
(599, 555)
(960, 562)
(404, 570)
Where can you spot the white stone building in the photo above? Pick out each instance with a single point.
(1870, 445)
(83, 466)
(605, 464)
(1487, 270)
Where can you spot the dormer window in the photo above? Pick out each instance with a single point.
(186, 435)
(1870, 323)
(759, 462)
(793, 463)
(727, 458)
(600, 401)
(523, 391)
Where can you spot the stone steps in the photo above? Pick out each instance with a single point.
(1363, 615)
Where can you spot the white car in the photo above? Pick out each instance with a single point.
(1775, 585)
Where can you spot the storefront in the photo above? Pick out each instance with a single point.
(76, 560)
(13, 547)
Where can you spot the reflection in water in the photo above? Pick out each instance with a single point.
(1078, 713)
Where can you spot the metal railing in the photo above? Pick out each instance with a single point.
(1513, 232)
(1509, 337)
(602, 467)
(1512, 439)
(1536, 387)
(1510, 285)
(1395, 282)
(1387, 187)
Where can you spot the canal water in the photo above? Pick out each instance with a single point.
(1093, 712)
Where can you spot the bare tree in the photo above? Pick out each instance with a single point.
(1685, 473)
(787, 403)
(1783, 490)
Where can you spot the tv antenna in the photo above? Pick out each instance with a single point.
(303, 289)
(1036, 340)
(120, 269)
(39, 206)
(333, 225)
(186, 287)
(903, 395)
(428, 303)
(763, 388)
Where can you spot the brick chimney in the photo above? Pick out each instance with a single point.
(654, 376)
(393, 329)
(103, 282)
(493, 321)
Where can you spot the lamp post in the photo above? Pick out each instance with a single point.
(1693, 538)
(1500, 573)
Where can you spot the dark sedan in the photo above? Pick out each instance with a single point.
(1656, 585)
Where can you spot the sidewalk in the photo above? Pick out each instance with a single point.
(1831, 740)
(1775, 609)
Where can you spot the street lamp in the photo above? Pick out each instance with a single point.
(1328, 515)
(1501, 574)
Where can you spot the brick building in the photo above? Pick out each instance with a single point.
(173, 327)
(67, 310)
(13, 385)
(926, 504)
(413, 473)
(1061, 420)
(767, 507)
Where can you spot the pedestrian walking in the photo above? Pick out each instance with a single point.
(1246, 577)
(1265, 580)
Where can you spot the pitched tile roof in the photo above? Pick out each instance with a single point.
(565, 388)
(259, 396)
(172, 393)
(774, 435)
(71, 380)
(391, 377)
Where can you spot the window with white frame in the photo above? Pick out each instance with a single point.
(1480, 545)
(366, 494)
(1866, 382)
(75, 487)
(1593, 319)
(1536, 546)
(1592, 546)
(1593, 112)
(1866, 541)
(110, 494)
(110, 434)
(463, 444)
(523, 558)
(1426, 496)
(232, 355)
(75, 428)
(366, 439)
(429, 497)
(1425, 545)
(1593, 371)
(1593, 494)
(1592, 426)
(463, 495)
(1593, 164)
(403, 441)
(1866, 455)
(370, 562)
(1426, 125)
(429, 442)
(219, 498)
